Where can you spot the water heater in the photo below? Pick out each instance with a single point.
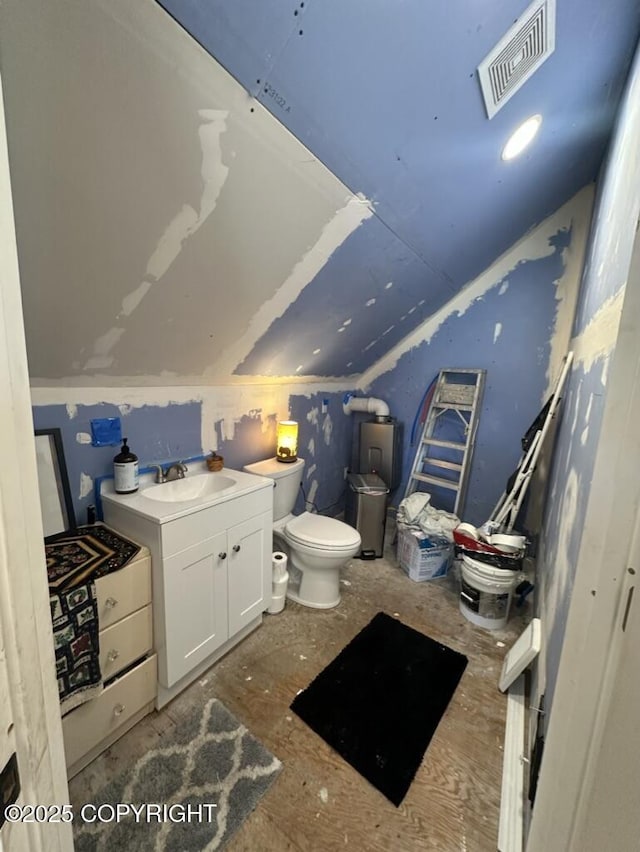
(381, 450)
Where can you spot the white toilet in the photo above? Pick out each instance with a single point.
(317, 546)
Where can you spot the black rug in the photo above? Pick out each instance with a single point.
(380, 701)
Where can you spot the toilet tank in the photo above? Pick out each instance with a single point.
(287, 477)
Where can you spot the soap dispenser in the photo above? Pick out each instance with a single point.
(125, 470)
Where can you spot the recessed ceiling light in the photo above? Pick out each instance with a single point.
(522, 137)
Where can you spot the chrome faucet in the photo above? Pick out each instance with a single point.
(176, 470)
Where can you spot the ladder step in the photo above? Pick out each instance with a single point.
(453, 406)
(436, 480)
(451, 445)
(456, 393)
(447, 465)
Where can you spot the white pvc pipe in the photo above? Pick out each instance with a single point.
(365, 403)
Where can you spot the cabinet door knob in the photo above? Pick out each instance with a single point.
(236, 548)
(118, 710)
(113, 655)
(110, 603)
(222, 555)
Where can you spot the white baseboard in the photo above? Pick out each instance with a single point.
(511, 825)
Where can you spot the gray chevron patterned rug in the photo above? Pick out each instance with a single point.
(192, 793)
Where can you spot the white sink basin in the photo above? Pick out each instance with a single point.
(171, 500)
(191, 488)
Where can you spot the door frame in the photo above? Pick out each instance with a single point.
(609, 552)
(25, 617)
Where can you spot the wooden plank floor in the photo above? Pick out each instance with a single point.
(319, 802)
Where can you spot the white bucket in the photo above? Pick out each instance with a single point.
(485, 597)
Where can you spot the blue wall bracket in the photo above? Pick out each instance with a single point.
(106, 432)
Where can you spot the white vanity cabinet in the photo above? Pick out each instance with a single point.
(221, 587)
(196, 619)
(211, 572)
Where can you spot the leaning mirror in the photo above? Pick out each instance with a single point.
(53, 482)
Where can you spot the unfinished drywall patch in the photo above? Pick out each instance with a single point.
(327, 438)
(86, 486)
(162, 239)
(567, 289)
(585, 432)
(540, 243)
(569, 479)
(572, 468)
(333, 234)
(341, 321)
(253, 438)
(131, 302)
(611, 263)
(618, 208)
(441, 195)
(167, 424)
(184, 225)
(598, 337)
(516, 360)
(255, 409)
(187, 221)
(102, 348)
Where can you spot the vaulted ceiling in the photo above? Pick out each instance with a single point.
(302, 218)
(388, 97)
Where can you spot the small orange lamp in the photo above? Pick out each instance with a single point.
(287, 441)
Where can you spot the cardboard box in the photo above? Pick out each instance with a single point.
(422, 556)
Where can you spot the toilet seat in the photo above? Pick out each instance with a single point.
(318, 531)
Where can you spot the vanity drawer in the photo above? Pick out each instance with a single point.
(204, 524)
(100, 718)
(126, 641)
(124, 591)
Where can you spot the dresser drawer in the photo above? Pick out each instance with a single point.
(124, 591)
(102, 716)
(126, 641)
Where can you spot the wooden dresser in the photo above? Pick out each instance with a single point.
(127, 663)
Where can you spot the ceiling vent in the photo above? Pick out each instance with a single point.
(518, 54)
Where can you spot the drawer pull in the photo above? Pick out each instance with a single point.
(118, 710)
(222, 555)
(236, 548)
(110, 603)
(113, 655)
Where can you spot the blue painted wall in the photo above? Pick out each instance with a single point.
(371, 294)
(568, 497)
(604, 280)
(507, 331)
(516, 360)
(155, 433)
(159, 434)
(324, 443)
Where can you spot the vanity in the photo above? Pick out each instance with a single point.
(210, 539)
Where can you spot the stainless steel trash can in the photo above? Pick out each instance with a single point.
(366, 510)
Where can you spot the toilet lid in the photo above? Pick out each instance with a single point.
(320, 531)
